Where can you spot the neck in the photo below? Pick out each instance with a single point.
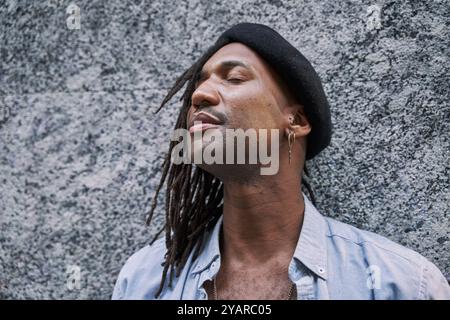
(262, 220)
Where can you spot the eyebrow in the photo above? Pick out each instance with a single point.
(229, 64)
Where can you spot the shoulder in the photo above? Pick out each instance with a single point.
(145, 257)
(399, 272)
(141, 273)
(355, 237)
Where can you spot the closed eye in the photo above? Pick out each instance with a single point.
(235, 80)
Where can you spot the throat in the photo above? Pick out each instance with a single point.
(257, 230)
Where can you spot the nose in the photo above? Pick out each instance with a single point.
(205, 96)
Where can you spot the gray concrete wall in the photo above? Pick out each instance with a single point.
(79, 156)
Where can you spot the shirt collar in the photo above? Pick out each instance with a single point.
(310, 250)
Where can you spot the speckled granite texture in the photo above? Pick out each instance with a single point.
(79, 155)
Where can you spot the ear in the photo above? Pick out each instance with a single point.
(297, 121)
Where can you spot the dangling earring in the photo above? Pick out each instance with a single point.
(291, 141)
(291, 138)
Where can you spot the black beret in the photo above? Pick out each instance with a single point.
(293, 68)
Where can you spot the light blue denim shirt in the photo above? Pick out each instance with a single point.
(332, 260)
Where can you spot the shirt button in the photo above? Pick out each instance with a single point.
(203, 295)
(321, 270)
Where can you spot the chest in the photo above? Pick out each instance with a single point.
(245, 285)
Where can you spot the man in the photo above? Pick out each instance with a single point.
(233, 233)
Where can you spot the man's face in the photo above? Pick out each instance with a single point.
(240, 90)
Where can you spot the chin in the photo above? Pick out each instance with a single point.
(243, 173)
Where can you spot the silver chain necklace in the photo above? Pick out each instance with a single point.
(215, 296)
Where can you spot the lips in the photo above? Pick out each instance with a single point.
(205, 121)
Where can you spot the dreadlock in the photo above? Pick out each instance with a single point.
(194, 198)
